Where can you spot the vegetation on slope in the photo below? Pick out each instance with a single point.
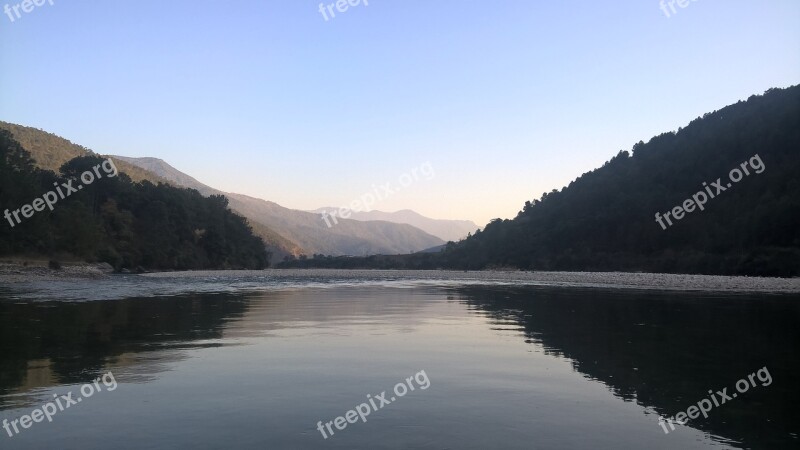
(605, 220)
(118, 221)
(50, 152)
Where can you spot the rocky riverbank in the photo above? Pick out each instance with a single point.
(22, 271)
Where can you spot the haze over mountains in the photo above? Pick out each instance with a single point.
(608, 219)
(448, 230)
(604, 220)
(272, 214)
(286, 232)
(307, 231)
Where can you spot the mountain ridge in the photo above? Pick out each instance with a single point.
(128, 225)
(297, 232)
(445, 229)
(608, 219)
(306, 230)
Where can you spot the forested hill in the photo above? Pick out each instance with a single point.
(606, 219)
(115, 220)
(50, 152)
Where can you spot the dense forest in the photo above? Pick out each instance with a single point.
(115, 220)
(606, 219)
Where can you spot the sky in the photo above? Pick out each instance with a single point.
(504, 100)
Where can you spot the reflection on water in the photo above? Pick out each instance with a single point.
(666, 350)
(50, 343)
(528, 367)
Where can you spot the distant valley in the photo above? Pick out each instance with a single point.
(305, 232)
(286, 232)
(447, 230)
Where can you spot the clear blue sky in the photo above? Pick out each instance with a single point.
(506, 99)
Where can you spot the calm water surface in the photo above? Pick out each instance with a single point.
(219, 363)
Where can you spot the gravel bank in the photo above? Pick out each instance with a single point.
(17, 272)
(621, 280)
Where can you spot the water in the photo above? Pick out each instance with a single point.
(215, 361)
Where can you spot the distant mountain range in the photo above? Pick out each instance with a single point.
(448, 230)
(286, 232)
(728, 180)
(305, 230)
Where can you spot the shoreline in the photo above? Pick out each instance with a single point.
(600, 280)
(15, 272)
(20, 271)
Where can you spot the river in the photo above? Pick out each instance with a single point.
(428, 360)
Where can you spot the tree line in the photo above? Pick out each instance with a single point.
(605, 219)
(114, 220)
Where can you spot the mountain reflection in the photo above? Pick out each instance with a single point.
(49, 343)
(663, 351)
(666, 350)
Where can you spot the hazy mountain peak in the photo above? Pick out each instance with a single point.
(307, 231)
(447, 230)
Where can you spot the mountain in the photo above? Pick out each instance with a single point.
(50, 152)
(728, 180)
(286, 232)
(114, 220)
(307, 230)
(720, 196)
(447, 230)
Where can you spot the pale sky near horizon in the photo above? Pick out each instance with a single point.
(506, 99)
